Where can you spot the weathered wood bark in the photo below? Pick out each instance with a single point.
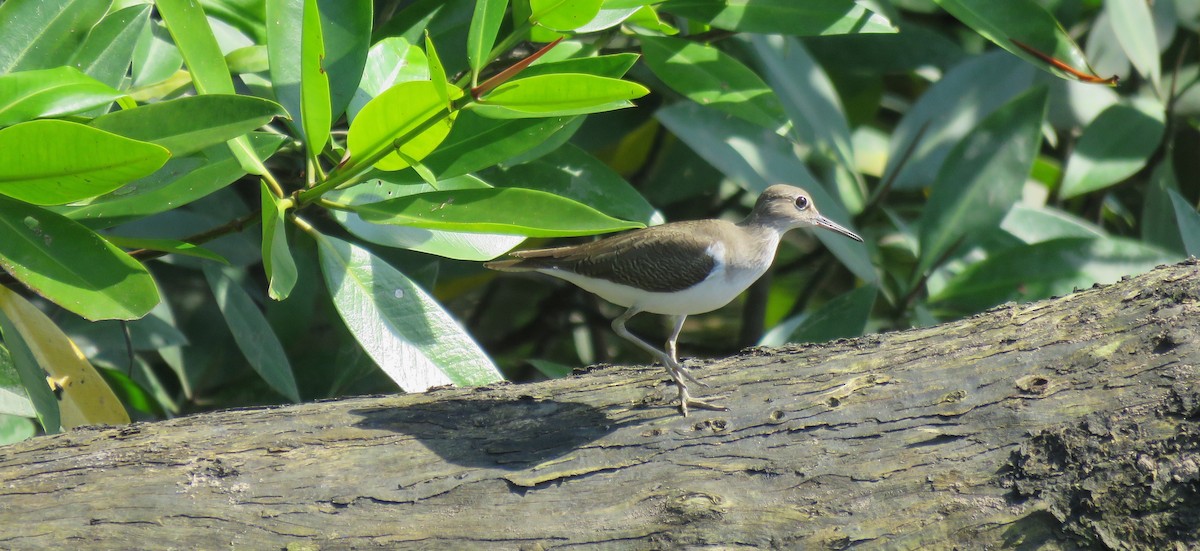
(1065, 423)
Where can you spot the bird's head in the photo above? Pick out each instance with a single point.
(786, 207)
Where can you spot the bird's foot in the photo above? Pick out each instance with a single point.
(686, 400)
(685, 373)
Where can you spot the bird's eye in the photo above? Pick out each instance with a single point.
(802, 202)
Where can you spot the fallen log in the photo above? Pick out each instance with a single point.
(1070, 422)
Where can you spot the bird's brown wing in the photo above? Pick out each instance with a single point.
(666, 258)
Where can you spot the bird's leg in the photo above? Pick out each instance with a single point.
(671, 351)
(678, 373)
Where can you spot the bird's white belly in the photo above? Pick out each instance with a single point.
(717, 290)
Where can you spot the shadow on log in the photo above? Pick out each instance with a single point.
(1066, 423)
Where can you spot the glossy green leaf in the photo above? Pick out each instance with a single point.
(1013, 23)
(755, 158)
(1045, 269)
(35, 34)
(46, 93)
(845, 316)
(1134, 27)
(277, 257)
(800, 18)
(556, 95)
(607, 18)
(612, 65)
(191, 123)
(346, 30)
(71, 266)
(408, 334)
(572, 173)
(1037, 224)
(1188, 222)
(485, 25)
(407, 108)
(15, 429)
(391, 61)
(98, 163)
(499, 210)
(296, 47)
(711, 77)
(390, 185)
(251, 332)
(983, 176)
(945, 113)
(169, 246)
(477, 142)
(437, 73)
(179, 182)
(563, 15)
(107, 51)
(314, 82)
(155, 57)
(192, 35)
(210, 75)
(1112, 148)
(32, 377)
(1158, 206)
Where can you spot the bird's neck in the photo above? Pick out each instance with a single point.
(756, 244)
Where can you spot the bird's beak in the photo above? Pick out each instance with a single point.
(822, 222)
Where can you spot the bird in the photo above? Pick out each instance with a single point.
(678, 269)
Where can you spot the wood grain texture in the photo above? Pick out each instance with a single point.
(1067, 423)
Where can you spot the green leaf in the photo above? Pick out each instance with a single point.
(314, 83)
(210, 75)
(1013, 23)
(170, 246)
(108, 49)
(714, 78)
(804, 18)
(608, 18)
(755, 158)
(98, 163)
(1134, 27)
(500, 210)
(1188, 222)
(14, 399)
(15, 428)
(945, 113)
(251, 332)
(477, 142)
(1038, 224)
(404, 109)
(277, 257)
(389, 185)
(551, 369)
(155, 57)
(563, 15)
(71, 266)
(572, 173)
(556, 95)
(33, 378)
(35, 34)
(391, 61)
(189, 124)
(412, 339)
(179, 182)
(812, 104)
(46, 93)
(437, 73)
(485, 25)
(983, 177)
(612, 65)
(1158, 206)
(295, 46)
(346, 29)
(1046, 269)
(843, 317)
(1112, 148)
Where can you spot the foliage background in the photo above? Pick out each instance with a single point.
(257, 201)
